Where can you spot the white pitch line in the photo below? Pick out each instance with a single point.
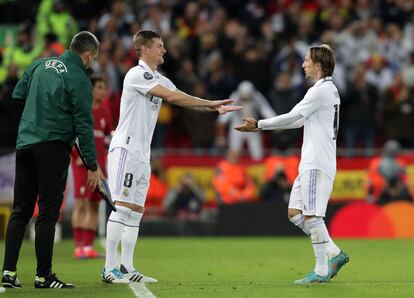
(139, 288)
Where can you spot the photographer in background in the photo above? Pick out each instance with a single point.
(387, 176)
(277, 188)
(186, 200)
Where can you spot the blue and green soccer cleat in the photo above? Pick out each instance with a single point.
(312, 278)
(337, 262)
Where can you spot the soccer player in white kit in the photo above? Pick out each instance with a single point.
(129, 152)
(318, 113)
(254, 104)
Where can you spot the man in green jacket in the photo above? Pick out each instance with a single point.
(57, 98)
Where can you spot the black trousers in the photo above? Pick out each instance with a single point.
(41, 173)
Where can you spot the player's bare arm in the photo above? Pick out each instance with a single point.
(183, 99)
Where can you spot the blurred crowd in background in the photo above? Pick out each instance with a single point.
(217, 48)
(212, 46)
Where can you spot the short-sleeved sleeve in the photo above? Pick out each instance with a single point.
(309, 104)
(143, 81)
(169, 84)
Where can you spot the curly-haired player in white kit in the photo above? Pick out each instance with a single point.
(129, 153)
(318, 113)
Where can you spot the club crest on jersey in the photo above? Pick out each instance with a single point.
(56, 65)
(125, 193)
(148, 76)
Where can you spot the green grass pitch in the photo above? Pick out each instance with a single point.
(233, 267)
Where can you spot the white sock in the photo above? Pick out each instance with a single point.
(299, 221)
(333, 250)
(129, 239)
(114, 229)
(320, 242)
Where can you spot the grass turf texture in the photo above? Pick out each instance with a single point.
(233, 267)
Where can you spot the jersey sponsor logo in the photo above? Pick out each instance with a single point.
(148, 76)
(56, 65)
(156, 102)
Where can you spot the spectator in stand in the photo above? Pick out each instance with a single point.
(186, 200)
(253, 103)
(219, 81)
(231, 182)
(107, 68)
(388, 180)
(252, 65)
(203, 136)
(54, 17)
(123, 20)
(52, 46)
(361, 112)
(395, 50)
(283, 97)
(289, 59)
(158, 18)
(407, 71)
(398, 114)
(86, 207)
(379, 74)
(23, 53)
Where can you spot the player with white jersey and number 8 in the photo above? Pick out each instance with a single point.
(318, 113)
(129, 152)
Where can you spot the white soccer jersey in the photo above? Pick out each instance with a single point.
(320, 108)
(139, 111)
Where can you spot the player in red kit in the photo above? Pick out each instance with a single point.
(86, 208)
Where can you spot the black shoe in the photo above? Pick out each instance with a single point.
(9, 281)
(51, 282)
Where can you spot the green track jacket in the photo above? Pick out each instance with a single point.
(57, 95)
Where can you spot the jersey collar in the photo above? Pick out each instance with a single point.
(74, 58)
(146, 67)
(322, 80)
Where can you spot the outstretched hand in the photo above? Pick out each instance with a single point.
(249, 125)
(225, 109)
(222, 106)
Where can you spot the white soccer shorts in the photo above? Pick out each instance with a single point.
(311, 192)
(128, 178)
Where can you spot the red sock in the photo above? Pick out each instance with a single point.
(78, 236)
(88, 237)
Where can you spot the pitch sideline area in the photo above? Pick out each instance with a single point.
(233, 267)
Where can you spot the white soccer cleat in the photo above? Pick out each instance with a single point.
(135, 276)
(113, 277)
